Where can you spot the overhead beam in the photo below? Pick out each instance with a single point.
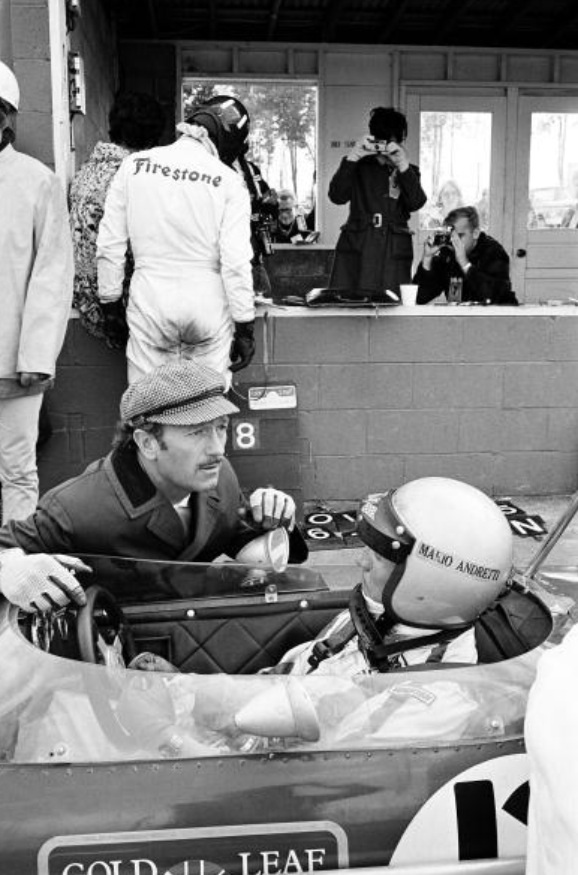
(332, 20)
(153, 24)
(273, 16)
(213, 19)
(392, 20)
(449, 19)
(565, 20)
(513, 14)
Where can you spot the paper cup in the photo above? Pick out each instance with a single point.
(408, 295)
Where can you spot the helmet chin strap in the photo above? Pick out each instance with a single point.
(8, 137)
(379, 655)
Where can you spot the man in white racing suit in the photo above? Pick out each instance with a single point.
(438, 553)
(187, 216)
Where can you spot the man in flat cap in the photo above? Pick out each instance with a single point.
(164, 492)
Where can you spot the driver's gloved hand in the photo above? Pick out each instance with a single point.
(243, 345)
(40, 582)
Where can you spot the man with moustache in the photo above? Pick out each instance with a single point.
(164, 492)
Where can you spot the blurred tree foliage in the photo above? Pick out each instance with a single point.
(283, 119)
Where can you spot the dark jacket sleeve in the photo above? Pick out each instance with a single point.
(409, 183)
(47, 530)
(488, 279)
(343, 181)
(432, 283)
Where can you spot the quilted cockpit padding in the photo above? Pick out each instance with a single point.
(234, 645)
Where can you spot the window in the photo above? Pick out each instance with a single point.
(455, 157)
(283, 138)
(553, 170)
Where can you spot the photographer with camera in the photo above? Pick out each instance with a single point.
(464, 263)
(264, 211)
(374, 251)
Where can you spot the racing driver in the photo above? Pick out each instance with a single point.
(438, 553)
(164, 492)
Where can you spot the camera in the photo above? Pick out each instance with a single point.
(373, 145)
(442, 238)
(261, 230)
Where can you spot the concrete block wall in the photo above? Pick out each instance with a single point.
(94, 39)
(30, 45)
(487, 396)
(491, 399)
(83, 406)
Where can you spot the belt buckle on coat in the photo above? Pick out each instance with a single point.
(377, 220)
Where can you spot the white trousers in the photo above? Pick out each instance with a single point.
(18, 470)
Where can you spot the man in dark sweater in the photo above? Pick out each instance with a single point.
(470, 255)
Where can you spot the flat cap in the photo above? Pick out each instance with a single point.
(178, 393)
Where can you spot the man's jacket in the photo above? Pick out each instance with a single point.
(113, 508)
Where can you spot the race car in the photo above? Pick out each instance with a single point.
(217, 764)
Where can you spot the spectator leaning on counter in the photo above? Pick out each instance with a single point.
(464, 252)
(136, 121)
(374, 251)
(186, 213)
(36, 273)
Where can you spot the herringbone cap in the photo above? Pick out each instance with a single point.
(179, 393)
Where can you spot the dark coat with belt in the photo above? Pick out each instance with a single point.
(114, 509)
(374, 251)
(486, 281)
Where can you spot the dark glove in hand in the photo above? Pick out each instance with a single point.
(243, 345)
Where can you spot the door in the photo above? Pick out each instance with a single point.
(458, 140)
(546, 199)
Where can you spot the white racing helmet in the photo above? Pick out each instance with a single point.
(9, 91)
(450, 548)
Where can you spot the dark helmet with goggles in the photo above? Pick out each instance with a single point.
(227, 122)
(450, 549)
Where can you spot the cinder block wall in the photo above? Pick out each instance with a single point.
(30, 42)
(491, 399)
(94, 39)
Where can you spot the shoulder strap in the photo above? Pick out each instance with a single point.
(371, 634)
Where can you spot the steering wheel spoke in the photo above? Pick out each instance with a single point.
(105, 639)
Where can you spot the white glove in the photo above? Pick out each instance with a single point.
(39, 582)
(358, 151)
(272, 508)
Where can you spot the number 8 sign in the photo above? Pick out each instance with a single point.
(246, 434)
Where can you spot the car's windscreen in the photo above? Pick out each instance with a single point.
(56, 710)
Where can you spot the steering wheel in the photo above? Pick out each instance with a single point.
(103, 633)
(104, 638)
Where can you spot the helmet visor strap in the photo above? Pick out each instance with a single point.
(395, 546)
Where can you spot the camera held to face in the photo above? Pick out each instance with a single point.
(373, 145)
(442, 238)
